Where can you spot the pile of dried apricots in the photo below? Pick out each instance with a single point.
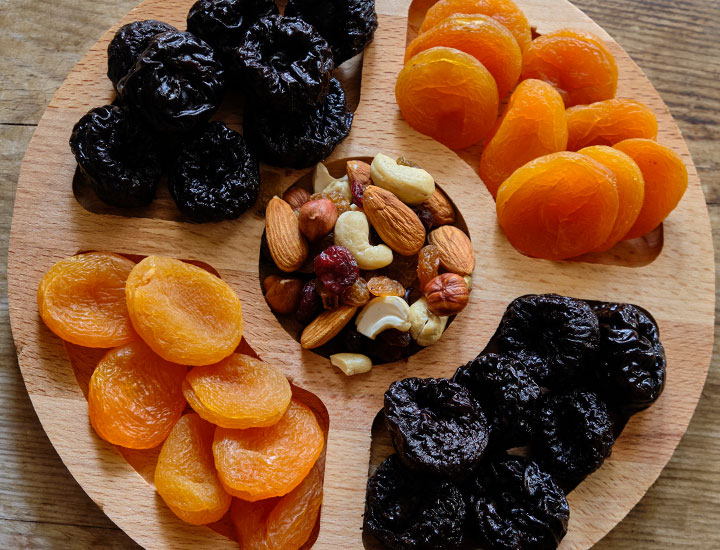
(172, 329)
(572, 168)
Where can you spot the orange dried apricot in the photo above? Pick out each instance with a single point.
(558, 206)
(238, 392)
(184, 313)
(666, 180)
(185, 476)
(448, 95)
(576, 62)
(260, 463)
(505, 12)
(630, 187)
(135, 396)
(480, 36)
(82, 300)
(532, 126)
(609, 122)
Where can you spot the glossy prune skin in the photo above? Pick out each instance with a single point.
(215, 177)
(177, 83)
(118, 155)
(410, 512)
(437, 427)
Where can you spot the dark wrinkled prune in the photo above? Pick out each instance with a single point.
(128, 43)
(410, 512)
(310, 303)
(507, 393)
(573, 436)
(348, 25)
(436, 426)
(631, 368)
(215, 176)
(337, 268)
(177, 82)
(286, 64)
(515, 505)
(298, 140)
(558, 336)
(118, 155)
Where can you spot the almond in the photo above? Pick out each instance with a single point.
(441, 209)
(287, 245)
(456, 251)
(398, 226)
(326, 326)
(358, 172)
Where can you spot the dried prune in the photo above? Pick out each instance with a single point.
(177, 82)
(128, 43)
(557, 335)
(298, 140)
(406, 511)
(310, 303)
(631, 369)
(507, 394)
(119, 156)
(348, 25)
(215, 176)
(436, 426)
(336, 268)
(514, 504)
(286, 63)
(573, 436)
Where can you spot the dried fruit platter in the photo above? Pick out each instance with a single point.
(671, 273)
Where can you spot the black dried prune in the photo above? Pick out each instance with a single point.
(118, 155)
(558, 336)
(177, 82)
(128, 43)
(436, 426)
(286, 64)
(348, 25)
(215, 176)
(409, 512)
(298, 140)
(515, 505)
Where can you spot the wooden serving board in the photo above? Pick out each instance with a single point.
(670, 274)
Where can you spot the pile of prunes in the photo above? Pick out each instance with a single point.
(486, 458)
(170, 83)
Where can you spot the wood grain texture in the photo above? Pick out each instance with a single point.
(651, 539)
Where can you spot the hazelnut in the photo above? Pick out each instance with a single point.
(317, 218)
(296, 197)
(446, 294)
(283, 295)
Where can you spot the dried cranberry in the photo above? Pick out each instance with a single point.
(310, 303)
(337, 268)
(357, 192)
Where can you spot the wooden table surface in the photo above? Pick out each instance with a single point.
(677, 43)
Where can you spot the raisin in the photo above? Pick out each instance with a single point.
(389, 346)
(428, 264)
(336, 268)
(330, 300)
(385, 286)
(403, 269)
(425, 215)
(336, 197)
(215, 176)
(118, 155)
(406, 511)
(437, 426)
(310, 303)
(356, 295)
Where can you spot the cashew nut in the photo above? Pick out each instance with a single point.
(411, 185)
(323, 182)
(353, 232)
(426, 327)
(351, 363)
(381, 314)
(468, 282)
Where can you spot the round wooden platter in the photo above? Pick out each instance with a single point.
(671, 275)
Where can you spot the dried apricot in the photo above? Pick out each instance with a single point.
(82, 300)
(630, 187)
(238, 392)
(260, 463)
(185, 314)
(666, 180)
(448, 95)
(558, 206)
(532, 126)
(385, 286)
(576, 62)
(185, 474)
(480, 36)
(609, 122)
(135, 396)
(428, 264)
(503, 11)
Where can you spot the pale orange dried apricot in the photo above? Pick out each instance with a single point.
(82, 300)
(184, 313)
(185, 476)
(609, 122)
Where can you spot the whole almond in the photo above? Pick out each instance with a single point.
(358, 172)
(296, 196)
(441, 209)
(287, 245)
(456, 251)
(326, 326)
(398, 226)
(317, 218)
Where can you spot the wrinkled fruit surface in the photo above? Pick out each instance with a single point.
(128, 43)
(428, 265)
(609, 122)
(385, 286)
(336, 268)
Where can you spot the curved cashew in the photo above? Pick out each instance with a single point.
(426, 327)
(353, 232)
(381, 314)
(351, 363)
(323, 182)
(411, 185)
